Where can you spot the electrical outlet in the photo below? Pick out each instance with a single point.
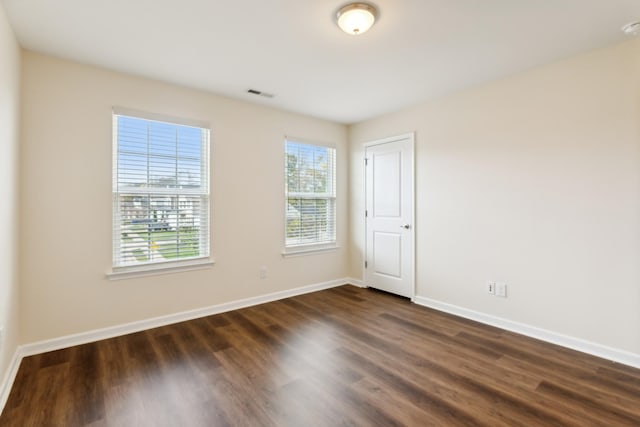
(491, 287)
(263, 272)
(501, 289)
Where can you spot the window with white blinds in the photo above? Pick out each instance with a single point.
(160, 191)
(310, 191)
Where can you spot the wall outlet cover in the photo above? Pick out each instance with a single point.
(491, 287)
(501, 289)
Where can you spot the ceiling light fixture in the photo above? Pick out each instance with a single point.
(356, 18)
(632, 29)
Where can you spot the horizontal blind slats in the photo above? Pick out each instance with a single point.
(310, 194)
(161, 191)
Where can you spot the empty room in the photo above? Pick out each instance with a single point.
(320, 213)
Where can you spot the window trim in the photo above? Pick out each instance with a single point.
(145, 115)
(311, 249)
(314, 247)
(169, 266)
(154, 269)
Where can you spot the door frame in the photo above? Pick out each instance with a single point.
(411, 137)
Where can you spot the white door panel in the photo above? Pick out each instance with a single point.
(386, 258)
(386, 184)
(389, 215)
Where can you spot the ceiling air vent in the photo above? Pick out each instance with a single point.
(260, 93)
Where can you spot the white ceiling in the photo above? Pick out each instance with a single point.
(419, 49)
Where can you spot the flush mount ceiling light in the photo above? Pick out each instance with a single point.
(356, 18)
(632, 29)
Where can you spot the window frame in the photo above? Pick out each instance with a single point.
(204, 260)
(318, 246)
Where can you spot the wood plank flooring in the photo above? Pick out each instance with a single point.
(344, 356)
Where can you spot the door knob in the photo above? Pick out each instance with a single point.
(405, 226)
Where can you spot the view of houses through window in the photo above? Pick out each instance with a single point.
(161, 191)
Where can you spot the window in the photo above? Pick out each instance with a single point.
(160, 192)
(310, 190)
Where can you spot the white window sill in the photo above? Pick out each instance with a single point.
(120, 273)
(308, 250)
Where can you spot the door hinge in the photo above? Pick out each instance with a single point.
(366, 264)
(366, 161)
(366, 213)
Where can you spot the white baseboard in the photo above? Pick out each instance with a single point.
(599, 350)
(355, 282)
(615, 355)
(9, 378)
(141, 325)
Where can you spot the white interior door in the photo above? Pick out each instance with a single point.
(389, 258)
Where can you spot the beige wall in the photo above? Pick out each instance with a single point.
(9, 124)
(535, 181)
(66, 202)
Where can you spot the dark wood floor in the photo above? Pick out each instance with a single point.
(345, 356)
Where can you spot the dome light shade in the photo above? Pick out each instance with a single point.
(356, 18)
